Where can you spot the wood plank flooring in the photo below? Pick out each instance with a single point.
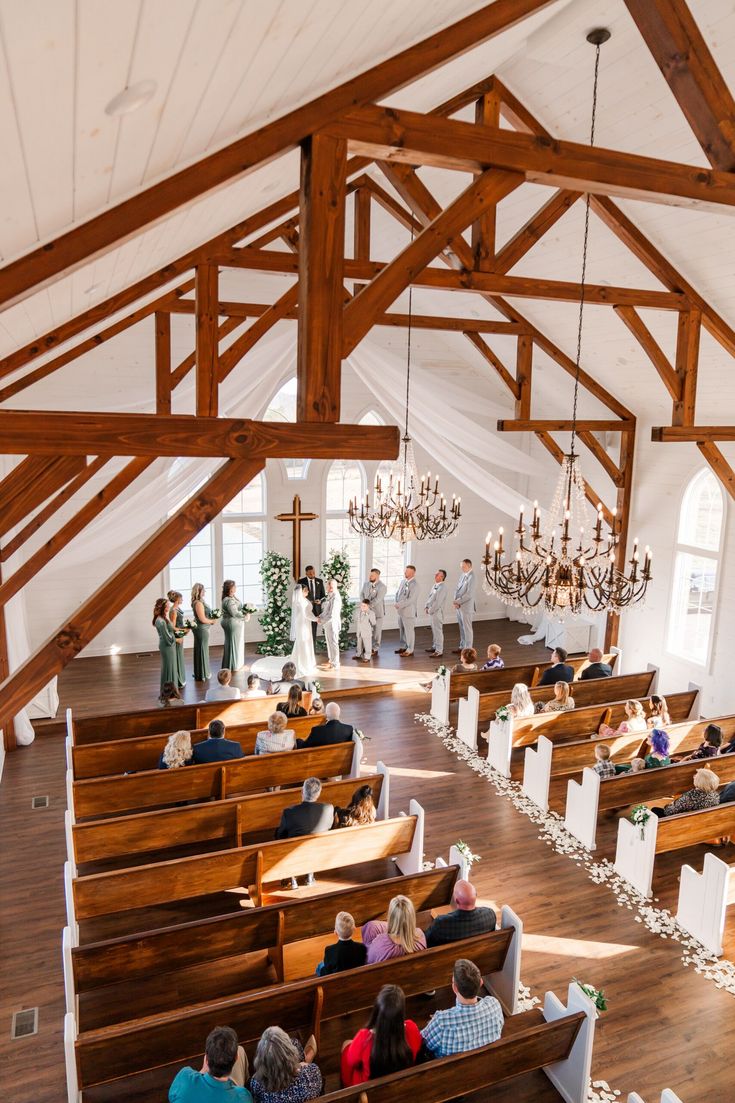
(666, 1026)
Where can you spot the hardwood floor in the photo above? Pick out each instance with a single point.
(666, 1026)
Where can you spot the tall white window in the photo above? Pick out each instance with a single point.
(696, 562)
(388, 555)
(282, 407)
(345, 480)
(194, 563)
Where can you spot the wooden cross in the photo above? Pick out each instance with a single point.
(296, 517)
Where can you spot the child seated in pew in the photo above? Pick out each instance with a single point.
(177, 752)
(317, 707)
(345, 953)
(224, 1072)
(494, 662)
(390, 1042)
(467, 662)
(604, 766)
(283, 1070)
(396, 937)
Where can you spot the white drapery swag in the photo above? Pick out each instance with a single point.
(468, 451)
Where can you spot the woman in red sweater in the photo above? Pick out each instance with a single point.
(390, 1042)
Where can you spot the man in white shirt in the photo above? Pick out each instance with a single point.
(254, 689)
(435, 609)
(223, 691)
(407, 609)
(464, 603)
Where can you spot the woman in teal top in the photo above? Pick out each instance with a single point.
(166, 642)
(659, 752)
(176, 616)
(233, 626)
(202, 620)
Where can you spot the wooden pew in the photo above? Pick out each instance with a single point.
(113, 979)
(660, 785)
(120, 756)
(251, 867)
(203, 826)
(156, 788)
(595, 692)
(488, 681)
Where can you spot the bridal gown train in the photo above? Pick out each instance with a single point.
(302, 652)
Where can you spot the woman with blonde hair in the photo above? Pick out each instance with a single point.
(233, 626)
(203, 619)
(704, 795)
(396, 938)
(176, 616)
(635, 721)
(279, 736)
(292, 706)
(562, 700)
(283, 1072)
(177, 752)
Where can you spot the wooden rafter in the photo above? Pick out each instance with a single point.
(361, 228)
(539, 224)
(487, 113)
(207, 345)
(524, 376)
(601, 455)
(687, 364)
(698, 434)
(163, 363)
(719, 465)
(563, 425)
(32, 482)
(282, 308)
(652, 349)
(495, 362)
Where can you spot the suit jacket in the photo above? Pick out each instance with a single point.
(436, 599)
(726, 795)
(307, 818)
(377, 603)
(326, 734)
(407, 599)
(344, 954)
(331, 609)
(216, 750)
(560, 672)
(596, 670)
(319, 592)
(464, 592)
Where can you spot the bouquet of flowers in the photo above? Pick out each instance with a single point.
(248, 610)
(189, 623)
(441, 671)
(640, 815)
(216, 613)
(596, 995)
(469, 857)
(317, 687)
(179, 633)
(502, 714)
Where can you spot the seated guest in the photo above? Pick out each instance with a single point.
(494, 662)
(360, 810)
(307, 818)
(520, 706)
(254, 689)
(659, 712)
(635, 721)
(595, 668)
(279, 736)
(345, 953)
(177, 752)
(710, 747)
(467, 662)
(288, 678)
(728, 793)
(283, 1071)
(703, 795)
(215, 747)
(169, 695)
(471, 1023)
(561, 701)
(559, 671)
(223, 691)
(603, 763)
(292, 705)
(330, 732)
(658, 755)
(637, 765)
(317, 707)
(465, 921)
(397, 937)
(222, 1075)
(390, 1042)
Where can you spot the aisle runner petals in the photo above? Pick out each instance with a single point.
(720, 971)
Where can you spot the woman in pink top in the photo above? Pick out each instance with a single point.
(395, 938)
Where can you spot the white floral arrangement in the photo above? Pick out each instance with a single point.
(216, 613)
(248, 610)
(441, 671)
(597, 995)
(361, 736)
(503, 714)
(317, 687)
(463, 848)
(275, 620)
(640, 815)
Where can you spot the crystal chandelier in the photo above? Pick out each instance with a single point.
(563, 569)
(405, 507)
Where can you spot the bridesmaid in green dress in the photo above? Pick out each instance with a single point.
(233, 626)
(202, 620)
(176, 616)
(166, 642)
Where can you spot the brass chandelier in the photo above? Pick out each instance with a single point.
(406, 507)
(565, 570)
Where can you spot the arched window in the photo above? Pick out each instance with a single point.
(282, 407)
(698, 548)
(389, 556)
(345, 480)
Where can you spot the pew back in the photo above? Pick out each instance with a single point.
(690, 828)
(656, 784)
(488, 681)
(594, 692)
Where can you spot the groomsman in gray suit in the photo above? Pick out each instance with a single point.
(374, 591)
(330, 619)
(464, 603)
(435, 609)
(407, 609)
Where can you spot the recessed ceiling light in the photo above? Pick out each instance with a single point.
(131, 98)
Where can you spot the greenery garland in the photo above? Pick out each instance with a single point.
(337, 566)
(275, 620)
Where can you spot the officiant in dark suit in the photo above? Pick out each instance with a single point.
(316, 593)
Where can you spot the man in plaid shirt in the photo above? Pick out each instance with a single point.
(471, 1023)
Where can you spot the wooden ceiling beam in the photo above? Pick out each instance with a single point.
(539, 224)
(104, 434)
(487, 113)
(207, 344)
(24, 494)
(389, 134)
(284, 307)
(652, 349)
(163, 363)
(524, 376)
(602, 457)
(181, 371)
(495, 362)
(722, 469)
(687, 367)
(67, 251)
(681, 53)
(564, 425)
(693, 434)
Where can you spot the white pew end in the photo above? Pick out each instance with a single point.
(537, 772)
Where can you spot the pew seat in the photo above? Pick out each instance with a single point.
(594, 692)
(487, 681)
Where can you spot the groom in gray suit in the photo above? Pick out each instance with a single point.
(464, 603)
(407, 609)
(373, 592)
(435, 609)
(330, 619)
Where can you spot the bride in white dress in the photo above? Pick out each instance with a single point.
(302, 652)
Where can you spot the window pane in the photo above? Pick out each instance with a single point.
(249, 500)
(371, 418)
(390, 558)
(701, 513)
(343, 482)
(340, 537)
(242, 550)
(282, 407)
(296, 469)
(193, 564)
(692, 606)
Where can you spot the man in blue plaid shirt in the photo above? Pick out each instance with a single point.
(471, 1023)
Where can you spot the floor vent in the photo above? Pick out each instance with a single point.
(25, 1023)
(39, 802)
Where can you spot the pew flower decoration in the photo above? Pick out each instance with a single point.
(503, 714)
(463, 848)
(317, 686)
(640, 816)
(597, 995)
(361, 736)
(441, 671)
